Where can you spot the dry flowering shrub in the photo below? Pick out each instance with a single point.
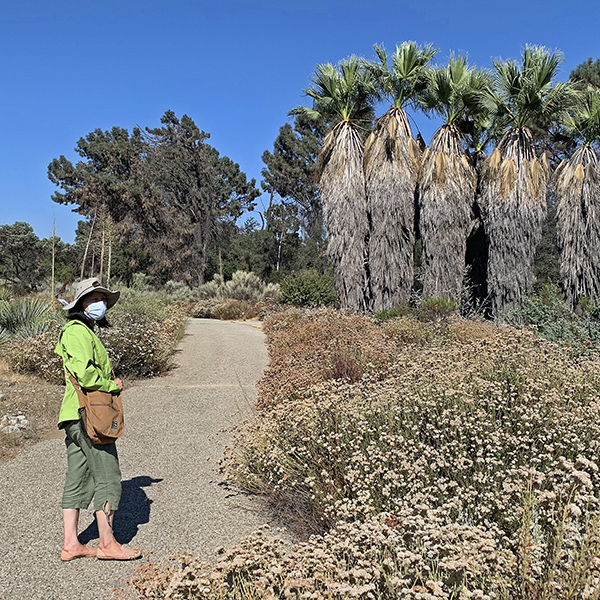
(489, 427)
(310, 346)
(226, 309)
(140, 347)
(466, 466)
(416, 556)
(35, 355)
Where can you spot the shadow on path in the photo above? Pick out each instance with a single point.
(134, 510)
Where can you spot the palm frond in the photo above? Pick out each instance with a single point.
(403, 77)
(526, 91)
(459, 93)
(342, 92)
(513, 208)
(582, 121)
(391, 161)
(446, 195)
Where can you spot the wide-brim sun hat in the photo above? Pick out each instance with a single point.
(87, 286)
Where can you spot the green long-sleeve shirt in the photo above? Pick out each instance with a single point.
(86, 358)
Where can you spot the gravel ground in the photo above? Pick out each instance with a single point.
(173, 496)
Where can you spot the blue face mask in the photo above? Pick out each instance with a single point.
(96, 310)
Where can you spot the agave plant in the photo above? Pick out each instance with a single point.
(577, 191)
(392, 159)
(447, 183)
(514, 179)
(344, 95)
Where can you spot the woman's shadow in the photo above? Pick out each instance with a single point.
(134, 510)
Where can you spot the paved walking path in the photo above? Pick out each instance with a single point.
(173, 496)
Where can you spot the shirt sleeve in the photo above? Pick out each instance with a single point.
(79, 360)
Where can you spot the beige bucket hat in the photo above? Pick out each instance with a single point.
(87, 286)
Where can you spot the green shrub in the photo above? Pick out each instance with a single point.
(309, 288)
(552, 318)
(151, 304)
(434, 309)
(178, 291)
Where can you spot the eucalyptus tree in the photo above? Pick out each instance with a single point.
(456, 92)
(392, 159)
(514, 179)
(344, 96)
(577, 192)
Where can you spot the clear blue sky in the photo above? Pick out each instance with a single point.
(235, 66)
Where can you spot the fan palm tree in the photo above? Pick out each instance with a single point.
(447, 183)
(577, 191)
(514, 179)
(392, 160)
(344, 95)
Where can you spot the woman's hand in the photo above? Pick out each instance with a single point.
(119, 383)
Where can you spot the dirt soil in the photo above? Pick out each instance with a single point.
(38, 400)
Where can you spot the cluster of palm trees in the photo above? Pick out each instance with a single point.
(379, 186)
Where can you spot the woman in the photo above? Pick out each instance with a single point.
(92, 470)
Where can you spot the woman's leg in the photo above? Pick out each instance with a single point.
(110, 548)
(77, 494)
(103, 463)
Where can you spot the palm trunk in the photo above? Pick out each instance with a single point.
(342, 185)
(513, 205)
(391, 168)
(446, 197)
(577, 189)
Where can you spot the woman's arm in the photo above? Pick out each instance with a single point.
(79, 360)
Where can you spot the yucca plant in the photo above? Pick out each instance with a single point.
(24, 317)
(344, 95)
(514, 179)
(447, 182)
(392, 159)
(577, 191)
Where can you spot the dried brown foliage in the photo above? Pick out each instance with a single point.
(577, 189)
(392, 159)
(513, 208)
(446, 197)
(311, 346)
(342, 187)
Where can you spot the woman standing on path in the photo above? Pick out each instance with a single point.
(92, 469)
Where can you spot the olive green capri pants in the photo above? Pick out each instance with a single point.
(92, 472)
